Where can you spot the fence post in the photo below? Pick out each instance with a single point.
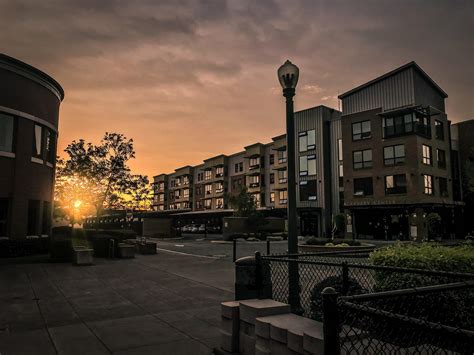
(268, 246)
(258, 274)
(330, 322)
(345, 278)
(234, 250)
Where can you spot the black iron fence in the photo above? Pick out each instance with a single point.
(427, 320)
(373, 315)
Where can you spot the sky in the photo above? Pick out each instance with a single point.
(188, 80)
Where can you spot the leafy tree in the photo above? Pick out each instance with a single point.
(138, 194)
(243, 203)
(99, 175)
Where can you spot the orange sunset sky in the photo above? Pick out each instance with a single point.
(191, 79)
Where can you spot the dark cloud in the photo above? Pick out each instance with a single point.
(171, 72)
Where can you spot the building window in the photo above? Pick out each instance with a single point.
(282, 176)
(363, 187)
(439, 130)
(50, 145)
(272, 178)
(237, 184)
(340, 156)
(185, 193)
(219, 202)
(362, 159)
(395, 184)
(6, 133)
(185, 180)
(394, 154)
(220, 171)
(254, 181)
(239, 167)
(208, 174)
(307, 140)
(161, 186)
(428, 184)
(219, 187)
(441, 157)
(404, 124)
(283, 197)
(37, 142)
(272, 197)
(427, 155)
(272, 159)
(307, 165)
(178, 181)
(308, 190)
(282, 156)
(177, 194)
(200, 176)
(361, 130)
(161, 208)
(254, 163)
(443, 187)
(208, 189)
(208, 204)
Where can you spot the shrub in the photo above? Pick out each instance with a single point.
(434, 226)
(335, 242)
(452, 308)
(354, 288)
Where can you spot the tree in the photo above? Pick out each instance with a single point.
(138, 194)
(99, 175)
(434, 226)
(243, 203)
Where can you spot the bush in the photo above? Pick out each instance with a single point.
(354, 288)
(452, 308)
(434, 226)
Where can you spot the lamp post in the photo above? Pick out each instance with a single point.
(288, 75)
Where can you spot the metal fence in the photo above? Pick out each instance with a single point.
(348, 276)
(427, 320)
(373, 315)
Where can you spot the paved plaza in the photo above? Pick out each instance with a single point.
(167, 303)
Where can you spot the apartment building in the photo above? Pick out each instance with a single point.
(262, 169)
(396, 155)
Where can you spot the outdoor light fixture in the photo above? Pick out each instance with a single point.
(288, 75)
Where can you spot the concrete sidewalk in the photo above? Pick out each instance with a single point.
(156, 304)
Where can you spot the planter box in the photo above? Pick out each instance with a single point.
(147, 248)
(126, 251)
(304, 248)
(83, 256)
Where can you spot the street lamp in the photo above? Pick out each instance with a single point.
(288, 75)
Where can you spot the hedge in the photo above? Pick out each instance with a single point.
(451, 308)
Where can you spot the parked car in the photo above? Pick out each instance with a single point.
(193, 229)
(185, 229)
(202, 228)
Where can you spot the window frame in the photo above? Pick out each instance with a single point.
(365, 164)
(399, 187)
(427, 159)
(397, 159)
(361, 135)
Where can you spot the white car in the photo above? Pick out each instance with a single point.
(193, 229)
(202, 228)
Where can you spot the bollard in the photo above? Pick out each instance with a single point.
(330, 322)
(252, 278)
(111, 248)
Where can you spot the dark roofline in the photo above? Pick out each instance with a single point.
(393, 72)
(316, 107)
(32, 70)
